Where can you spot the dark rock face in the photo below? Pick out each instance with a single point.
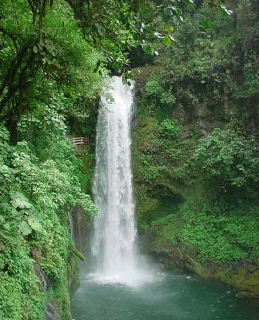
(51, 313)
(45, 281)
(79, 228)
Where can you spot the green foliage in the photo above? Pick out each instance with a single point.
(21, 294)
(222, 237)
(159, 152)
(154, 88)
(229, 160)
(10, 298)
(55, 65)
(170, 129)
(36, 196)
(42, 179)
(197, 136)
(50, 78)
(204, 87)
(213, 236)
(156, 92)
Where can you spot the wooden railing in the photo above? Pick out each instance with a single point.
(79, 140)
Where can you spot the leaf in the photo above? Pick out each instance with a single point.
(24, 228)
(2, 246)
(149, 51)
(190, 3)
(20, 201)
(6, 226)
(172, 38)
(35, 49)
(158, 35)
(207, 24)
(35, 222)
(167, 41)
(226, 11)
(169, 28)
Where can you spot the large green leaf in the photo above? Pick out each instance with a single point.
(34, 222)
(19, 201)
(24, 228)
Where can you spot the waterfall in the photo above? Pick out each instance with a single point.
(113, 244)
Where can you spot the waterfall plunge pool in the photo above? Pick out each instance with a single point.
(171, 296)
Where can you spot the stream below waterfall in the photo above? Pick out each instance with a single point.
(171, 296)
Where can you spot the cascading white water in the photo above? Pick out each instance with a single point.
(114, 239)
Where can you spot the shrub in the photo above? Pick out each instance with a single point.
(230, 162)
(154, 88)
(170, 129)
